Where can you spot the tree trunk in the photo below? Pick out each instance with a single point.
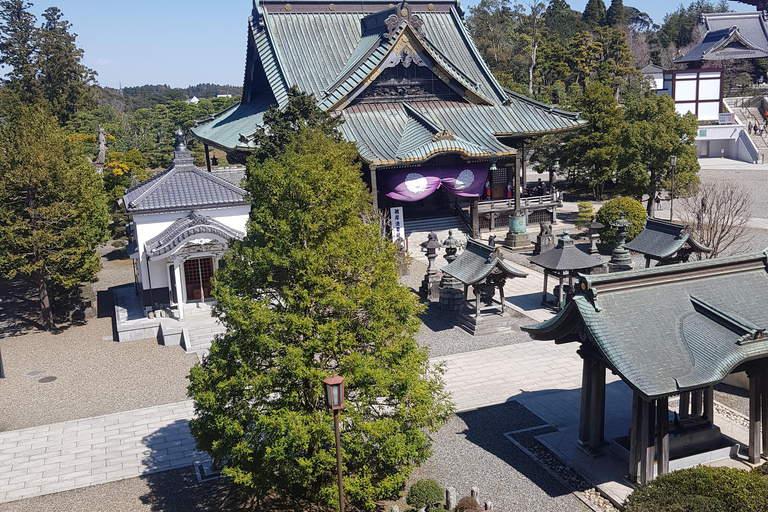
(45, 301)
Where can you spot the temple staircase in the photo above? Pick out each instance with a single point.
(416, 230)
(747, 111)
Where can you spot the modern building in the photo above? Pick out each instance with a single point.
(428, 117)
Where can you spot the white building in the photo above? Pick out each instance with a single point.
(182, 222)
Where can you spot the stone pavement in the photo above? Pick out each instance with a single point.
(79, 453)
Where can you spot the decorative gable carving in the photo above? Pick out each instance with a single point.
(403, 13)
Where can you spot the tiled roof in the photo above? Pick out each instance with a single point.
(182, 187)
(661, 239)
(732, 35)
(336, 50)
(185, 228)
(672, 328)
(565, 257)
(477, 261)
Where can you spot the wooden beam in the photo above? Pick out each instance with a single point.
(586, 397)
(755, 418)
(634, 439)
(662, 435)
(597, 413)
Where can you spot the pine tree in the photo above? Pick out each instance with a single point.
(615, 16)
(53, 210)
(313, 290)
(19, 48)
(594, 13)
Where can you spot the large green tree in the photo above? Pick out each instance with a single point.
(53, 210)
(311, 291)
(655, 132)
(594, 13)
(19, 48)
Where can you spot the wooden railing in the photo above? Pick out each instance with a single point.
(504, 205)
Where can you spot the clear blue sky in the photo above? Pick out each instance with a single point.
(185, 43)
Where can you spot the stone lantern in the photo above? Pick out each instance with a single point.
(451, 289)
(430, 285)
(620, 257)
(593, 227)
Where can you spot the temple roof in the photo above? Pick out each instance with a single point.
(477, 262)
(382, 67)
(730, 35)
(183, 186)
(565, 257)
(661, 239)
(193, 225)
(672, 328)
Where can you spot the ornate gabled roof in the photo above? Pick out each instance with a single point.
(672, 328)
(366, 61)
(183, 186)
(732, 35)
(193, 225)
(565, 257)
(477, 262)
(661, 239)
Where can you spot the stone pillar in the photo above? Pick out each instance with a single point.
(430, 285)
(451, 499)
(374, 188)
(709, 404)
(696, 403)
(685, 404)
(179, 288)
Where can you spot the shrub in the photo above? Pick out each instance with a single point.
(704, 489)
(425, 493)
(610, 212)
(467, 503)
(586, 211)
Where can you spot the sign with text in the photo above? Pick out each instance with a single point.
(725, 118)
(398, 224)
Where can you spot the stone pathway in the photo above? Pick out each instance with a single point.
(80, 453)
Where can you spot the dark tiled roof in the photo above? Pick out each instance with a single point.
(565, 257)
(180, 231)
(732, 35)
(335, 51)
(182, 187)
(661, 239)
(672, 328)
(234, 175)
(477, 261)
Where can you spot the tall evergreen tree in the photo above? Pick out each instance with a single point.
(63, 81)
(53, 210)
(19, 48)
(313, 290)
(594, 13)
(616, 16)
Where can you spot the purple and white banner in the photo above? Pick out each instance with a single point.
(415, 183)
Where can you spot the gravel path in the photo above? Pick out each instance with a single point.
(93, 375)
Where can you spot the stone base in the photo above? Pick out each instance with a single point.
(620, 267)
(451, 299)
(488, 323)
(517, 242)
(430, 288)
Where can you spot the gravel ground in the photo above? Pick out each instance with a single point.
(440, 333)
(753, 180)
(733, 397)
(472, 451)
(93, 376)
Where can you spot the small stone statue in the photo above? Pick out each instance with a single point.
(492, 240)
(545, 239)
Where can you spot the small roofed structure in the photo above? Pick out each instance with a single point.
(666, 331)
(729, 36)
(484, 269)
(666, 243)
(564, 260)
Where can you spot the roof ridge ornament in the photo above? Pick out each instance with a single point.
(402, 13)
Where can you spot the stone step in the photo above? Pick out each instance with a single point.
(436, 224)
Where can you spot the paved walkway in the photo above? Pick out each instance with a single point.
(80, 453)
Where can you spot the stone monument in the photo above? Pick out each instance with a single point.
(620, 257)
(545, 239)
(593, 226)
(451, 289)
(430, 286)
(101, 158)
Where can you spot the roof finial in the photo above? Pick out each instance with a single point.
(180, 145)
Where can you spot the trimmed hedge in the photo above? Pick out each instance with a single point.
(702, 489)
(611, 211)
(425, 493)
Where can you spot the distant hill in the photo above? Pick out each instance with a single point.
(147, 96)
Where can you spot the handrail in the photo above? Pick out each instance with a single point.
(509, 204)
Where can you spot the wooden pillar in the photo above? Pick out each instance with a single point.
(597, 409)
(586, 397)
(647, 262)
(524, 170)
(685, 399)
(696, 403)
(662, 435)
(517, 181)
(207, 158)
(503, 302)
(764, 412)
(474, 215)
(755, 417)
(544, 294)
(634, 438)
(647, 448)
(560, 294)
(374, 188)
(709, 404)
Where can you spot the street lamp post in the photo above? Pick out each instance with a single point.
(673, 163)
(334, 398)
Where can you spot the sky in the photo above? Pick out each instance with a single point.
(198, 41)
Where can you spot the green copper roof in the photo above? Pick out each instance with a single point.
(337, 50)
(477, 262)
(672, 328)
